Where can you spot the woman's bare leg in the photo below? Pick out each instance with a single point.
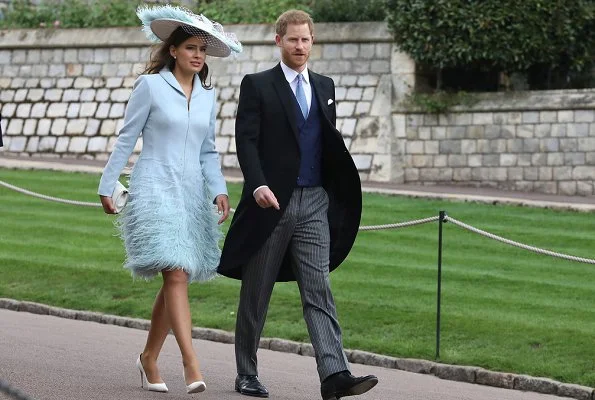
(175, 291)
(157, 333)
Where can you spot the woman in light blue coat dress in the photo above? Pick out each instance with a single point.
(169, 225)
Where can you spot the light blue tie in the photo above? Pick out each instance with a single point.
(301, 96)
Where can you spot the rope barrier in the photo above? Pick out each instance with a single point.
(49, 198)
(361, 228)
(10, 391)
(517, 244)
(399, 225)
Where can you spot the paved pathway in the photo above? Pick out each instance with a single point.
(52, 358)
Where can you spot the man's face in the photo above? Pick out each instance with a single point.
(295, 46)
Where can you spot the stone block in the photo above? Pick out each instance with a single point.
(32, 144)
(78, 145)
(6, 96)
(117, 110)
(525, 131)
(497, 379)
(88, 95)
(565, 116)
(87, 110)
(92, 127)
(354, 94)
(286, 346)
(103, 110)
(15, 127)
(548, 117)
(20, 95)
(228, 110)
(56, 110)
(108, 127)
(23, 110)
(345, 109)
(577, 130)
(35, 95)
(97, 144)
(46, 144)
(584, 116)
(43, 127)
(228, 127)
(17, 144)
(30, 127)
(540, 385)
(586, 144)
(508, 160)
(76, 126)
(62, 144)
(456, 132)
(468, 146)
(102, 95)
(230, 161)
(483, 119)
(38, 110)
(363, 162)
(584, 189)
(450, 147)
(73, 110)
(583, 173)
(222, 144)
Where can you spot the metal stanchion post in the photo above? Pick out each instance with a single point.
(439, 291)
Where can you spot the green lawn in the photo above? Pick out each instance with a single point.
(504, 308)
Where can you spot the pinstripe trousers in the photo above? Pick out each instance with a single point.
(303, 231)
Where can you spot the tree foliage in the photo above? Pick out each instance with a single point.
(509, 35)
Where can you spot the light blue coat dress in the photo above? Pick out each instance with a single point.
(170, 221)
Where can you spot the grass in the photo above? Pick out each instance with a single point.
(503, 308)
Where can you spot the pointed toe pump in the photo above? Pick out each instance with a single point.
(152, 387)
(195, 387)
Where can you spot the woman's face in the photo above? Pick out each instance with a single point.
(190, 55)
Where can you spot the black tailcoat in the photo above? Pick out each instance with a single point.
(267, 142)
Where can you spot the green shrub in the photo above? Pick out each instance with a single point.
(71, 14)
(104, 13)
(348, 10)
(248, 11)
(507, 35)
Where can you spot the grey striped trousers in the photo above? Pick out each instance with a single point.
(304, 230)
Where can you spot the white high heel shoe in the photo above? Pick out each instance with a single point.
(195, 387)
(153, 387)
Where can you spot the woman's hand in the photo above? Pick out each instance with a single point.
(108, 205)
(222, 202)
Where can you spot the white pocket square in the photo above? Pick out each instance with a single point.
(330, 101)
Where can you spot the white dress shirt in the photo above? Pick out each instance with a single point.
(291, 76)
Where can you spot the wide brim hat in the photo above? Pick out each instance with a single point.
(160, 22)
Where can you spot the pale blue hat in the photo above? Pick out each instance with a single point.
(159, 22)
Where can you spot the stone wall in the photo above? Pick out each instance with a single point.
(528, 141)
(63, 94)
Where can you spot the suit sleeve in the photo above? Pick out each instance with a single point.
(209, 159)
(135, 118)
(248, 123)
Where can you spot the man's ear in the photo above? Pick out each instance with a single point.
(278, 40)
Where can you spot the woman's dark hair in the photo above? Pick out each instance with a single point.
(160, 57)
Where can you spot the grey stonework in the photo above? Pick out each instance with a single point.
(65, 96)
(507, 142)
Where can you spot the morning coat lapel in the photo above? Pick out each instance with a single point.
(284, 92)
(322, 94)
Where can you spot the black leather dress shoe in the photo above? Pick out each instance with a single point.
(344, 384)
(250, 386)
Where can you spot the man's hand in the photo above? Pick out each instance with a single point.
(265, 198)
(222, 202)
(108, 205)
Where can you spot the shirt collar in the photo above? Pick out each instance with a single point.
(290, 74)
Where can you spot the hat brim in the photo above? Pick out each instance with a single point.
(163, 28)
